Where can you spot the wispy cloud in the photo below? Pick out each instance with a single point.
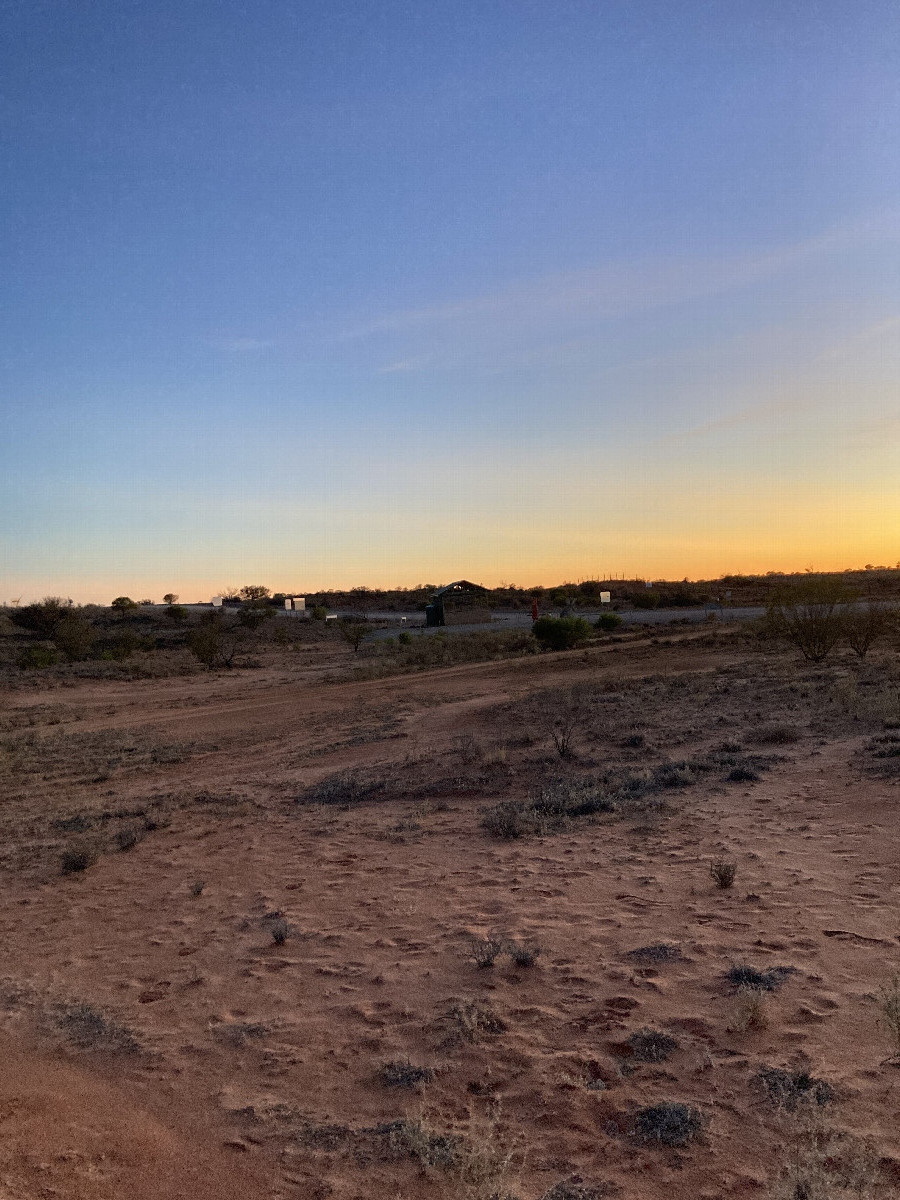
(619, 289)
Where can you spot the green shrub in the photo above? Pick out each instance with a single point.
(561, 633)
(608, 621)
(41, 618)
(74, 636)
(37, 657)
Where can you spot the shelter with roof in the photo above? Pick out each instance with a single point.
(459, 603)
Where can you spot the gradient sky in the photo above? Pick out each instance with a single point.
(316, 293)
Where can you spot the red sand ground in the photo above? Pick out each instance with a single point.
(255, 1067)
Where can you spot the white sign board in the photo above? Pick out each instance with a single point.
(604, 597)
(300, 603)
(217, 601)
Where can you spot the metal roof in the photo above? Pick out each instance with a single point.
(461, 585)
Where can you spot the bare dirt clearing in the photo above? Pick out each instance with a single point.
(295, 951)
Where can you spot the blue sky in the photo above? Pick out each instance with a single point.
(337, 293)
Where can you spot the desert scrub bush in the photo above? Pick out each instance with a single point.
(127, 838)
(809, 615)
(551, 808)
(563, 713)
(889, 1010)
(655, 954)
(650, 1045)
(820, 1163)
(403, 1074)
(742, 977)
(667, 1124)
(280, 930)
(866, 624)
(215, 640)
(508, 820)
(788, 1089)
(742, 775)
(345, 788)
(523, 954)
(574, 1189)
(79, 857)
(485, 951)
(90, 1029)
(723, 874)
(469, 1021)
(561, 633)
(417, 1140)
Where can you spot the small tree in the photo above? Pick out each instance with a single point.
(864, 625)
(214, 641)
(170, 598)
(353, 633)
(810, 615)
(123, 605)
(254, 592)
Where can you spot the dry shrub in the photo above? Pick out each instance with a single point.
(667, 1124)
(750, 1013)
(723, 874)
(469, 1021)
(79, 857)
(821, 1163)
(889, 1010)
(485, 951)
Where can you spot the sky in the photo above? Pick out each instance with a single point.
(385, 292)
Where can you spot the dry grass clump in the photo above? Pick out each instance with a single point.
(403, 1074)
(750, 1012)
(485, 951)
(889, 1010)
(821, 1163)
(723, 874)
(655, 955)
(469, 1021)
